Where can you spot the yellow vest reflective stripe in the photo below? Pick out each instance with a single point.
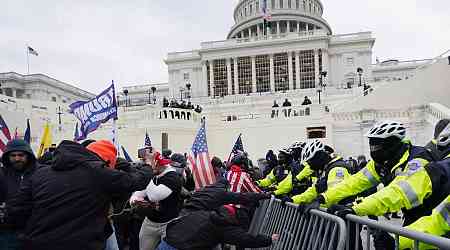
(401, 161)
(410, 193)
(443, 209)
(372, 179)
(448, 156)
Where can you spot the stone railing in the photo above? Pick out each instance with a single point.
(182, 55)
(351, 36)
(179, 114)
(437, 111)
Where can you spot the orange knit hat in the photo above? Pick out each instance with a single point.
(106, 150)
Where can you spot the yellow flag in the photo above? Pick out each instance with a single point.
(46, 140)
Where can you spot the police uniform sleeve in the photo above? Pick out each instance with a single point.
(438, 223)
(266, 182)
(404, 192)
(285, 186)
(306, 197)
(305, 173)
(336, 176)
(355, 184)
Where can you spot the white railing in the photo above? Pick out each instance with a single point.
(437, 111)
(351, 36)
(182, 55)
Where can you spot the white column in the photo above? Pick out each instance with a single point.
(258, 29)
(205, 78)
(230, 89)
(211, 78)
(298, 27)
(297, 69)
(316, 66)
(253, 74)
(236, 76)
(325, 65)
(290, 71)
(278, 27)
(288, 26)
(307, 26)
(272, 74)
(14, 92)
(249, 32)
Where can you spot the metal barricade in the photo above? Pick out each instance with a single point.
(317, 230)
(418, 237)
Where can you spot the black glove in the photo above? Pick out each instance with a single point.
(383, 241)
(315, 204)
(321, 185)
(341, 210)
(286, 199)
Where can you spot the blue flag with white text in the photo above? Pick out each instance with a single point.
(96, 111)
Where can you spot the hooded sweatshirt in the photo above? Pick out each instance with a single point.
(65, 206)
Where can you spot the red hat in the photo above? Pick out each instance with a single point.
(161, 160)
(105, 150)
(231, 209)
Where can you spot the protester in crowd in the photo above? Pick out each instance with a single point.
(164, 199)
(202, 205)
(47, 158)
(219, 167)
(166, 153)
(275, 104)
(287, 103)
(198, 109)
(65, 206)
(127, 225)
(165, 102)
(179, 162)
(19, 163)
(238, 177)
(190, 106)
(394, 159)
(221, 225)
(306, 101)
(353, 165)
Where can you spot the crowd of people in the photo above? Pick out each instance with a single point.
(81, 196)
(182, 105)
(287, 103)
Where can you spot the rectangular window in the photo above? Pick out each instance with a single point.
(262, 73)
(186, 76)
(257, 6)
(307, 70)
(220, 78)
(316, 132)
(251, 9)
(280, 64)
(350, 61)
(273, 4)
(281, 4)
(232, 76)
(245, 75)
(289, 4)
(297, 4)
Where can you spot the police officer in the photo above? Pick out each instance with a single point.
(394, 160)
(277, 180)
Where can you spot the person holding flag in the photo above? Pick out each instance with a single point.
(5, 135)
(199, 160)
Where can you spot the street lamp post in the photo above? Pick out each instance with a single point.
(188, 87)
(59, 113)
(125, 92)
(360, 71)
(322, 75)
(153, 91)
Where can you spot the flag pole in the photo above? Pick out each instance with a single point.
(28, 60)
(114, 130)
(229, 157)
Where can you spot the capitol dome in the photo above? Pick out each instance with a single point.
(285, 16)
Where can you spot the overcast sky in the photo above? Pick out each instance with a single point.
(88, 43)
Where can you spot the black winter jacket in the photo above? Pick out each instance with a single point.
(11, 179)
(211, 228)
(65, 206)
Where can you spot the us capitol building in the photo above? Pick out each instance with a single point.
(294, 53)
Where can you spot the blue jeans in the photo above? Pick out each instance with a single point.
(9, 241)
(164, 246)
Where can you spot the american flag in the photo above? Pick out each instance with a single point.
(237, 148)
(148, 142)
(5, 135)
(200, 161)
(32, 51)
(266, 13)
